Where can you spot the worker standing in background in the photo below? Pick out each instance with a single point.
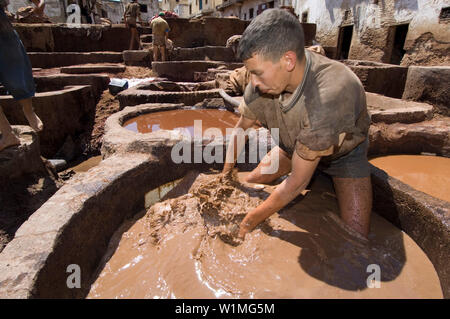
(131, 14)
(160, 34)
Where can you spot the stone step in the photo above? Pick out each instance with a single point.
(184, 70)
(93, 68)
(136, 96)
(429, 84)
(381, 78)
(137, 57)
(415, 138)
(24, 159)
(206, 53)
(59, 59)
(390, 110)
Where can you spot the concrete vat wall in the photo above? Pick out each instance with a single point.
(65, 113)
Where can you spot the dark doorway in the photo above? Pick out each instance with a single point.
(305, 17)
(399, 41)
(345, 40)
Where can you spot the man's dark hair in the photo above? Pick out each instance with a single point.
(271, 34)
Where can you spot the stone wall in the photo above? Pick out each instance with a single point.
(90, 38)
(202, 32)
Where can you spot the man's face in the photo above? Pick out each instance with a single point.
(269, 77)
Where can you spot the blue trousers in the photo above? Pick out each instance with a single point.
(15, 67)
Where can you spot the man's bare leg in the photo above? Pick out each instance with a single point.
(137, 39)
(8, 138)
(155, 52)
(163, 53)
(133, 37)
(284, 167)
(34, 121)
(355, 202)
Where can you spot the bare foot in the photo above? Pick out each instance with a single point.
(34, 121)
(9, 140)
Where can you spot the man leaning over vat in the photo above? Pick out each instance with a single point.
(319, 107)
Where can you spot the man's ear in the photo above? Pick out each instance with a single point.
(289, 59)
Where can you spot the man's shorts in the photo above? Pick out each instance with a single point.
(131, 22)
(351, 165)
(159, 40)
(15, 67)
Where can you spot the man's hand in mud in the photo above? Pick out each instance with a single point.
(244, 228)
(227, 174)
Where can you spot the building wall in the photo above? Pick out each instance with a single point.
(374, 27)
(182, 10)
(242, 11)
(208, 7)
(56, 9)
(114, 11)
(152, 9)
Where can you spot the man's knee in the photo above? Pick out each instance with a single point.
(260, 178)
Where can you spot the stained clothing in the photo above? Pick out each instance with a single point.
(15, 67)
(238, 81)
(325, 116)
(132, 11)
(159, 26)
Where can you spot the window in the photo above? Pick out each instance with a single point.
(346, 14)
(190, 9)
(271, 4)
(445, 15)
(206, 1)
(143, 7)
(250, 13)
(245, 16)
(305, 17)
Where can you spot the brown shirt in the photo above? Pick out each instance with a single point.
(238, 81)
(159, 26)
(132, 10)
(325, 116)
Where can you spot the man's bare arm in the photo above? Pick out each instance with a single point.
(291, 187)
(235, 148)
(40, 5)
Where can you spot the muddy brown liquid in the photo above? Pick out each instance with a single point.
(88, 164)
(428, 174)
(183, 120)
(186, 247)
